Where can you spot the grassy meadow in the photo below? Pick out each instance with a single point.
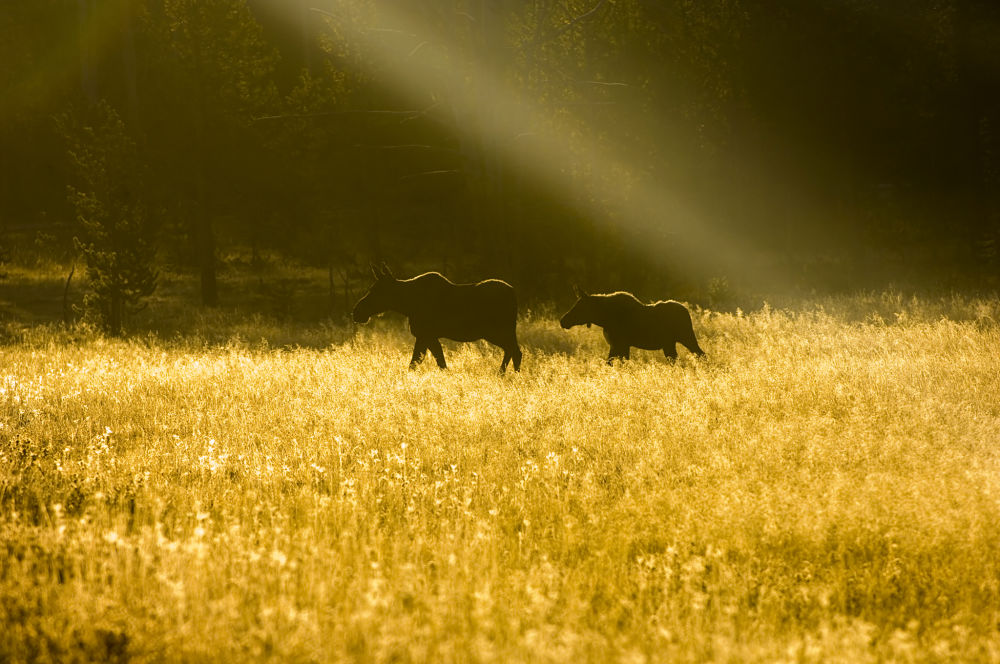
(823, 486)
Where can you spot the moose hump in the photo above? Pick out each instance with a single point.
(629, 323)
(438, 309)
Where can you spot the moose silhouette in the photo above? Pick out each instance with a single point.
(437, 308)
(628, 323)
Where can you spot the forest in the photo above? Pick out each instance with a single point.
(672, 148)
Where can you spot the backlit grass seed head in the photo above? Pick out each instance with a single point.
(820, 482)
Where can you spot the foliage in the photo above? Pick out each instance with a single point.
(116, 234)
(220, 47)
(823, 487)
(637, 137)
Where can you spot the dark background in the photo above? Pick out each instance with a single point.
(671, 146)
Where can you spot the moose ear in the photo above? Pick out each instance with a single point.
(386, 272)
(375, 272)
(579, 292)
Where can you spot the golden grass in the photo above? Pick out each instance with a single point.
(823, 487)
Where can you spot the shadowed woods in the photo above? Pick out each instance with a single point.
(438, 308)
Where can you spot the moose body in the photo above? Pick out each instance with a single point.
(629, 323)
(439, 309)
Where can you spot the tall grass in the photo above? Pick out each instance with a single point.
(824, 486)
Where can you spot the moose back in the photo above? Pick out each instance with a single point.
(629, 323)
(439, 309)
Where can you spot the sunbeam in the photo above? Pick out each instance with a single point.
(424, 62)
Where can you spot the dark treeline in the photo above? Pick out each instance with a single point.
(825, 144)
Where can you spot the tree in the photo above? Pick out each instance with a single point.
(115, 233)
(213, 74)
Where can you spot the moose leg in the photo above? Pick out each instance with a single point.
(618, 351)
(435, 347)
(670, 350)
(419, 350)
(509, 354)
(515, 349)
(516, 355)
(511, 351)
(689, 340)
(692, 345)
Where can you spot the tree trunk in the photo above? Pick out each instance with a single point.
(204, 234)
(308, 21)
(206, 259)
(333, 290)
(347, 291)
(115, 315)
(980, 106)
(88, 66)
(129, 63)
(66, 311)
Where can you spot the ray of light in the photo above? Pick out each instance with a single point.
(418, 59)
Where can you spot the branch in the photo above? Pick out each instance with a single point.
(582, 17)
(407, 146)
(389, 30)
(417, 48)
(426, 173)
(567, 104)
(410, 115)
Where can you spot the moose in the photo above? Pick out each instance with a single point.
(438, 308)
(627, 322)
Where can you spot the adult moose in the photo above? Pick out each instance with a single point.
(438, 308)
(627, 322)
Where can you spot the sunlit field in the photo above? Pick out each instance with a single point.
(823, 486)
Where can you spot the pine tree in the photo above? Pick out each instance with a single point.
(115, 235)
